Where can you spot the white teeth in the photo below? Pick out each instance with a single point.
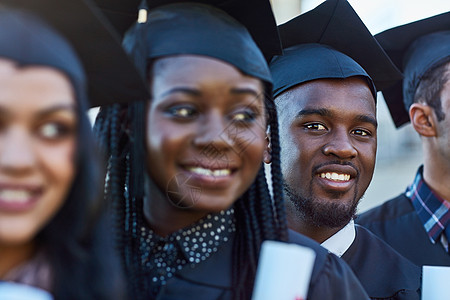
(15, 196)
(200, 171)
(223, 172)
(208, 172)
(335, 176)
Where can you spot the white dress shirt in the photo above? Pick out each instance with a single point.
(339, 242)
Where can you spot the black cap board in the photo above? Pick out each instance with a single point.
(256, 15)
(120, 13)
(415, 48)
(330, 41)
(112, 77)
(198, 29)
(28, 41)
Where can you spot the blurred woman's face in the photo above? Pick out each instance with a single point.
(38, 125)
(206, 128)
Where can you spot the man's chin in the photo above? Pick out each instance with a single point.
(332, 213)
(333, 216)
(331, 210)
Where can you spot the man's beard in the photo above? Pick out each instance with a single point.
(319, 213)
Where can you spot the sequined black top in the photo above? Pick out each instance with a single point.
(163, 257)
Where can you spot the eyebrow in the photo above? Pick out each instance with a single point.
(44, 112)
(246, 91)
(194, 92)
(367, 119)
(184, 90)
(327, 113)
(315, 111)
(56, 109)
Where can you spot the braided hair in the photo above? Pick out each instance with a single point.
(259, 217)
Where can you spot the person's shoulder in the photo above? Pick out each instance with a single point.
(302, 240)
(374, 256)
(391, 209)
(378, 250)
(377, 247)
(332, 277)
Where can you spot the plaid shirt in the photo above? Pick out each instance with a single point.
(433, 211)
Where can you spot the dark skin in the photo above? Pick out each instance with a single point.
(303, 226)
(198, 128)
(328, 148)
(435, 136)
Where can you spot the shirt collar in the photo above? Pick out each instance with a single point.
(339, 242)
(164, 256)
(433, 211)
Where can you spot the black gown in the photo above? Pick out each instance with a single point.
(383, 272)
(211, 279)
(397, 223)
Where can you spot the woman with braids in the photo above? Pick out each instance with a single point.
(54, 236)
(185, 171)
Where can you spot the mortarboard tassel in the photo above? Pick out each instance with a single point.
(135, 44)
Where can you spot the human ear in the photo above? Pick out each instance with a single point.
(422, 120)
(268, 151)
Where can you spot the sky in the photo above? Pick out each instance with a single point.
(379, 15)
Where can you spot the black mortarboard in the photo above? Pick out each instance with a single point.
(330, 41)
(121, 13)
(111, 75)
(415, 48)
(28, 41)
(198, 29)
(256, 15)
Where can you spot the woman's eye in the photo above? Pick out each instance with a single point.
(182, 112)
(315, 126)
(243, 116)
(54, 130)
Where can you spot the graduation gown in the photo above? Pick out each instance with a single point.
(397, 223)
(383, 272)
(211, 279)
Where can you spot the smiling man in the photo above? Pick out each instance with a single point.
(325, 89)
(328, 144)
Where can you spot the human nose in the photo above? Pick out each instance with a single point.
(214, 132)
(16, 151)
(340, 145)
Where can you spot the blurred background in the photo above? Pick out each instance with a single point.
(399, 150)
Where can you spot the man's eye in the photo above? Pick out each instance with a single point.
(315, 126)
(361, 132)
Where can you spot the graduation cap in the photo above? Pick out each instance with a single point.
(415, 48)
(198, 29)
(28, 41)
(330, 41)
(112, 77)
(256, 15)
(120, 13)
